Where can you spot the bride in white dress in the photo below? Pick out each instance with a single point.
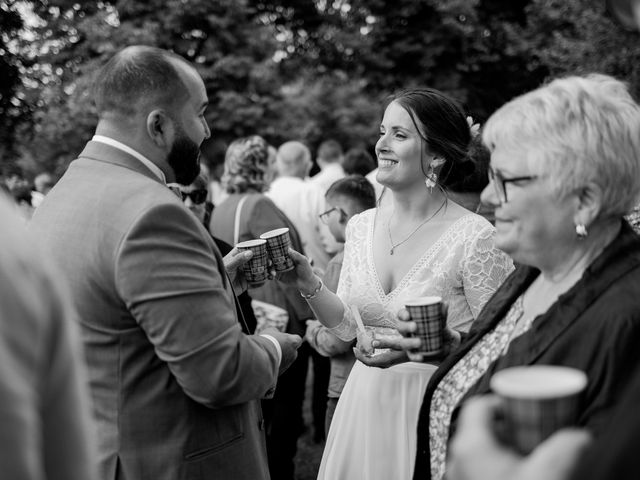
(419, 243)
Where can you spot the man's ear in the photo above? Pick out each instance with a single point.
(160, 128)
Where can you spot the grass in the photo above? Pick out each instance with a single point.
(309, 453)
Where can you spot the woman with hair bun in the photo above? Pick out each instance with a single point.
(420, 243)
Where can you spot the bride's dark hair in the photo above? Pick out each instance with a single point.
(442, 124)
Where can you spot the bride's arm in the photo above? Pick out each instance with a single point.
(326, 305)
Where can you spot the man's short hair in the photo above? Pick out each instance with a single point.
(357, 161)
(294, 159)
(330, 151)
(138, 75)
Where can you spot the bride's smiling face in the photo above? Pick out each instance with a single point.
(399, 149)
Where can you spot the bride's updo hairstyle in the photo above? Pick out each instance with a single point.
(442, 124)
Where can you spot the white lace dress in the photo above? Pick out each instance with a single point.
(373, 432)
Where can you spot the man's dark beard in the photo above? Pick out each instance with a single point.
(184, 159)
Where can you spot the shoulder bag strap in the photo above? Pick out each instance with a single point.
(236, 222)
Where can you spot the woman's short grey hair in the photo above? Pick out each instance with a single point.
(576, 130)
(246, 165)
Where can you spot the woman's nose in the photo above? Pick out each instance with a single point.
(381, 144)
(489, 197)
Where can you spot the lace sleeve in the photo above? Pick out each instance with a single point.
(485, 268)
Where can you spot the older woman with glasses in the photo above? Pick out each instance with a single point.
(565, 168)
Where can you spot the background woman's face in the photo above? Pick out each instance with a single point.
(399, 149)
(197, 209)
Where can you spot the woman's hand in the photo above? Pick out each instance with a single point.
(365, 343)
(302, 276)
(408, 342)
(382, 360)
(475, 453)
(233, 262)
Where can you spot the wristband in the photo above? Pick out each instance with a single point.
(313, 294)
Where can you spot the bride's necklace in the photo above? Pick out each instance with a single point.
(396, 245)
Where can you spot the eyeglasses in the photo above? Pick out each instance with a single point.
(500, 183)
(324, 216)
(196, 196)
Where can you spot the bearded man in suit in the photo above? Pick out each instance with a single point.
(175, 383)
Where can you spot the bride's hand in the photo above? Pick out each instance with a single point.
(302, 276)
(382, 360)
(407, 342)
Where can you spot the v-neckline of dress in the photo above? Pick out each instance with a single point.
(424, 258)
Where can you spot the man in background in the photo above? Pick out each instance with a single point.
(329, 159)
(301, 201)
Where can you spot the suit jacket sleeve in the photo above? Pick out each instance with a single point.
(170, 275)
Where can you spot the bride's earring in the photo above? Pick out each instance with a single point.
(431, 180)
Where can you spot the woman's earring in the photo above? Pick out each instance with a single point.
(581, 231)
(431, 180)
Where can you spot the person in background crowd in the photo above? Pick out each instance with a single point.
(372, 176)
(21, 194)
(42, 184)
(250, 213)
(329, 159)
(421, 243)
(174, 380)
(574, 299)
(46, 430)
(303, 202)
(345, 198)
(357, 161)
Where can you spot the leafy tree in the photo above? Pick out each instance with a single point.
(578, 37)
(304, 69)
(13, 109)
(223, 38)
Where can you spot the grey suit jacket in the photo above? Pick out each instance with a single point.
(174, 381)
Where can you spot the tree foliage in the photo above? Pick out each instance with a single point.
(293, 69)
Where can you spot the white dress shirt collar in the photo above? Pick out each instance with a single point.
(121, 146)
